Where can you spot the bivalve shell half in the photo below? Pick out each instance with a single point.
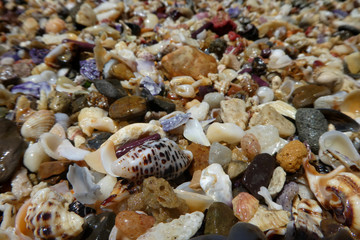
(270, 219)
(351, 104)
(38, 123)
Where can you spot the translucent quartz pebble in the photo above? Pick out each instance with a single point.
(219, 154)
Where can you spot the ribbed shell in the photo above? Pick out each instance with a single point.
(38, 123)
(162, 158)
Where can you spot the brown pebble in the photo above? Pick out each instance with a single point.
(188, 61)
(121, 71)
(128, 108)
(52, 168)
(305, 96)
(200, 157)
(291, 156)
(195, 181)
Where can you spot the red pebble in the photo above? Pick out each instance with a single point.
(222, 24)
(233, 36)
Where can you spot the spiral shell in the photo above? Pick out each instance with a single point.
(38, 123)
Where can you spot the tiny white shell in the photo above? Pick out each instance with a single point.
(34, 156)
(195, 133)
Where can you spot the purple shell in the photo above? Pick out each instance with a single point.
(32, 88)
(38, 54)
(174, 122)
(89, 70)
(259, 81)
(234, 12)
(151, 85)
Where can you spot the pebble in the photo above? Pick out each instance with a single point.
(59, 101)
(219, 219)
(133, 224)
(188, 61)
(234, 111)
(305, 96)
(12, 147)
(214, 99)
(250, 146)
(162, 104)
(235, 168)
(353, 62)
(121, 71)
(52, 168)
(269, 116)
(291, 156)
(330, 77)
(259, 173)
(98, 139)
(199, 111)
(245, 206)
(218, 46)
(310, 124)
(285, 198)
(209, 237)
(128, 108)
(219, 154)
(79, 102)
(99, 226)
(246, 231)
(225, 132)
(200, 157)
(108, 89)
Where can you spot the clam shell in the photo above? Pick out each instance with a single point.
(351, 104)
(341, 121)
(195, 201)
(266, 219)
(50, 143)
(38, 123)
(336, 149)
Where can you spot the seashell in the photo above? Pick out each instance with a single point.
(341, 121)
(337, 149)
(68, 151)
(264, 192)
(285, 90)
(182, 228)
(120, 192)
(20, 225)
(58, 130)
(351, 104)
(86, 15)
(278, 59)
(21, 185)
(109, 11)
(185, 90)
(95, 118)
(308, 215)
(216, 183)
(162, 158)
(268, 137)
(194, 132)
(8, 216)
(53, 207)
(245, 206)
(330, 101)
(34, 156)
(228, 75)
(329, 76)
(38, 123)
(126, 134)
(199, 111)
(270, 219)
(195, 201)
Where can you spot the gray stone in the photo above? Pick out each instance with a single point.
(310, 124)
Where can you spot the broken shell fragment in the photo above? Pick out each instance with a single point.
(270, 219)
(336, 148)
(245, 206)
(351, 104)
(216, 183)
(195, 201)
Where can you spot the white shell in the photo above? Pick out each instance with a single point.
(330, 101)
(265, 94)
(34, 156)
(195, 133)
(38, 123)
(200, 111)
(282, 107)
(95, 118)
(216, 184)
(336, 148)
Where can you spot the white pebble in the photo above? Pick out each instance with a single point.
(199, 111)
(7, 61)
(265, 94)
(151, 21)
(225, 132)
(214, 99)
(216, 184)
(186, 91)
(219, 154)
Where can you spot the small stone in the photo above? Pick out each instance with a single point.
(59, 101)
(219, 154)
(188, 61)
(97, 140)
(269, 116)
(121, 71)
(200, 111)
(234, 169)
(310, 124)
(107, 89)
(245, 206)
(250, 146)
(234, 111)
(99, 226)
(128, 108)
(96, 99)
(200, 157)
(79, 102)
(259, 173)
(246, 231)
(162, 104)
(214, 99)
(291, 156)
(219, 219)
(218, 46)
(52, 168)
(330, 77)
(353, 62)
(8, 75)
(305, 96)
(133, 224)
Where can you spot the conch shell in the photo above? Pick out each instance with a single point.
(338, 191)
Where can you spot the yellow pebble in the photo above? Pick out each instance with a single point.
(291, 156)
